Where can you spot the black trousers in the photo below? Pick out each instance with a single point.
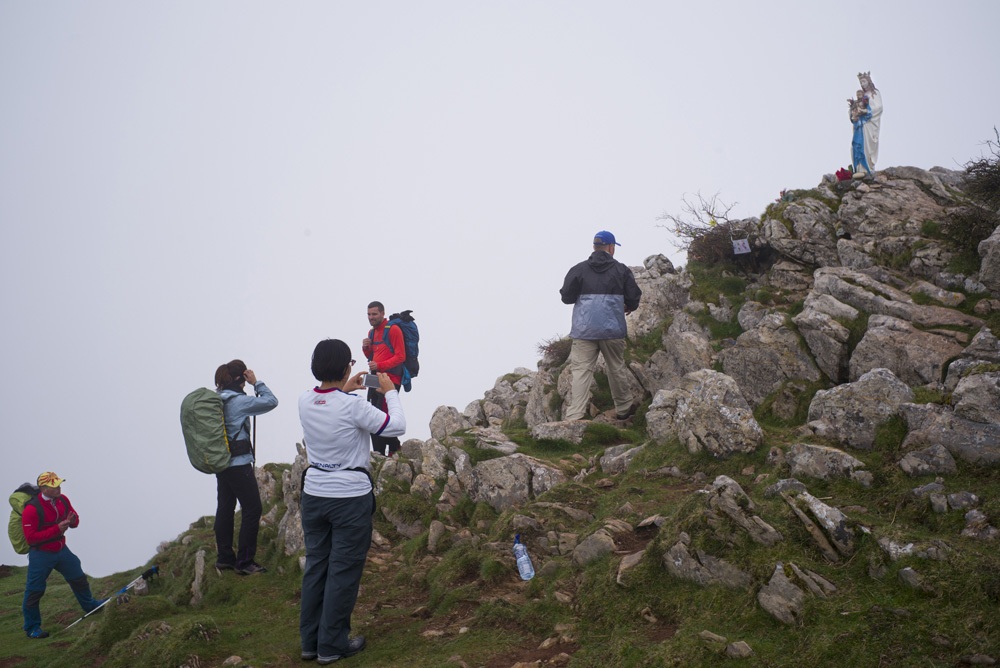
(237, 483)
(381, 444)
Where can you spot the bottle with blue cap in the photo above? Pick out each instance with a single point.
(524, 566)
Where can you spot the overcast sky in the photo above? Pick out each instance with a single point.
(183, 183)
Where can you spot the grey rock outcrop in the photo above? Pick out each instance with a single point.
(511, 481)
(803, 231)
(781, 599)
(729, 499)
(989, 270)
(818, 461)
(707, 412)
(704, 569)
(855, 410)
(445, 421)
(977, 396)
(916, 357)
(765, 357)
(935, 460)
(662, 292)
(931, 424)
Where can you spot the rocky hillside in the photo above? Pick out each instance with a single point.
(811, 480)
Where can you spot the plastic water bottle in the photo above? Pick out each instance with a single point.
(524, 566)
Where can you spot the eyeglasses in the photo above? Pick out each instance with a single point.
(352, 362)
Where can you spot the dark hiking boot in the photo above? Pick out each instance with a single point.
(629, 413)
(221, 566)
(38, 633)
(354, 645)
(250, 569)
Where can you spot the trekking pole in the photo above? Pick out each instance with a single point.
(253, 443)
(150, 572)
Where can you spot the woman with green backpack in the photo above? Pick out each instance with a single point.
(237, 482)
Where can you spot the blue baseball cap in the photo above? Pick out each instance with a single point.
(605, 238)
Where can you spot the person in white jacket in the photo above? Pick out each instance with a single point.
(338, 498)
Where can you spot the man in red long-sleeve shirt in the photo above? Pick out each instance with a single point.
(386, 351)
(45, 521)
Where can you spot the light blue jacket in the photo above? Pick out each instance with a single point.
(237, 409)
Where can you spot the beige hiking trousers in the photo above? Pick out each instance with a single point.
(583, 361)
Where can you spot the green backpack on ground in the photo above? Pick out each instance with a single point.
(22, 496)
(204, 427)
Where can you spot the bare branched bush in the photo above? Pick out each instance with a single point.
(555, 351)
(966, 227)
(706, 231)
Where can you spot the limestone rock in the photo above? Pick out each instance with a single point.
(879, 298)
(267, 486)
(765, 357)
(538, 408)
(566, 430)
(708, 412)
(597, 545)
(977, 397)
(662, 293)
(977, 526)
(616, 459)
(916, 357)
(434, 535)
(445, 421)
(199, 577)
(818, 461)
(855, 410)
(511, 481)
(931, 424)
(946, 297)
(781, 599)
(934, 460)
(989, 270)
(803, 231)
(827, 340)
(628, 562)
(729, 499)
(785, 485)
(751, 313)
(423, 486)
(738, 650)
(701, 567)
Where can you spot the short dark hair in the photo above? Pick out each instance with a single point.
(331, 360)
(377, 305)
(229, 374)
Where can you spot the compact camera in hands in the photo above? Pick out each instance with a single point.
(371, 380)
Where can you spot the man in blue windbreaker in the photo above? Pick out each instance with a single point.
(602, 291)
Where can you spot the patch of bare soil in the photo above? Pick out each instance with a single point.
(631, 542)
(661, 631)
(531, 655)
(5, 571)
(7, 662)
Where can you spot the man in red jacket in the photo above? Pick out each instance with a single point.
(45, 521)
(386, 351)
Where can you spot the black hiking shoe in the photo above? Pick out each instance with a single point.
(220, 566)
(251, 568)
(629, 413)
(38, 633)
(354, 645)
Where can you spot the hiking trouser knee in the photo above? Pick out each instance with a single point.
(582, 358)
(381, 444)
(613, 351)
